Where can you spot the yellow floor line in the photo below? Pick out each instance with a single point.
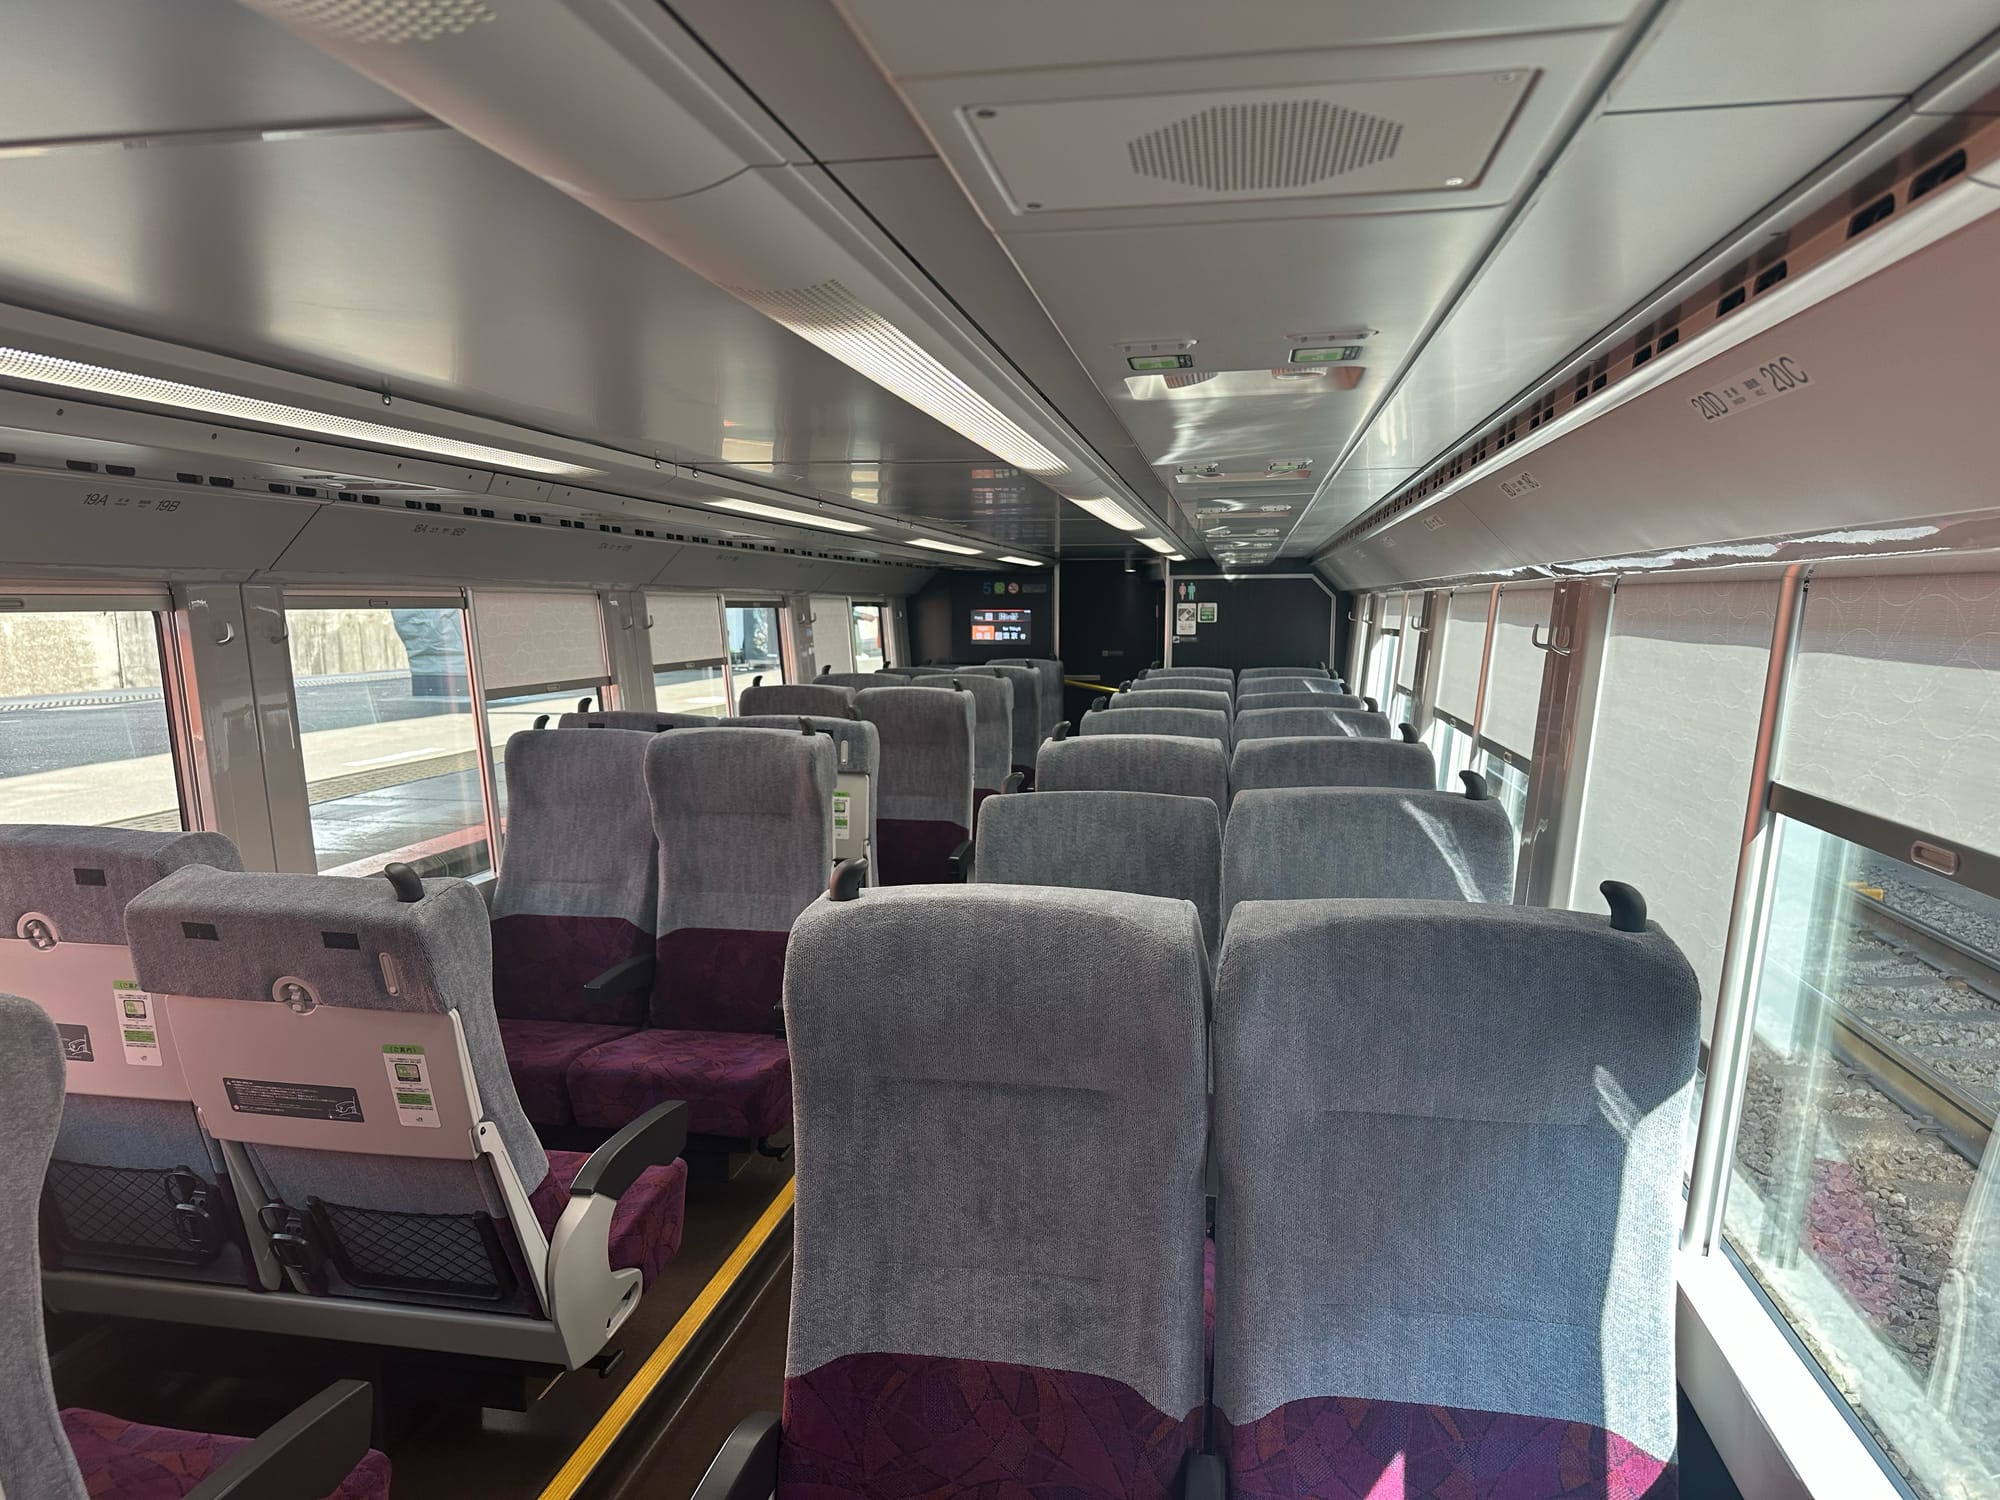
(646, 1379)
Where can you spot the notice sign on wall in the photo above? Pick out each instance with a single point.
(1207, 615)
(1184, 619)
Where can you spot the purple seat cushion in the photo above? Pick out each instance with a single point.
(130, 1461)
(719, 979)
(917, 851)
(541, 964)
(1350, 1449)
(735, 1084)
(646, 1224)
(539, 1054)
(890, 1426)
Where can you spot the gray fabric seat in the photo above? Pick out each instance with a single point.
(826, 699)
(1295, 699)
(860, 680)
(646, 721)
(1252, 674)
(1174, 765)
(1264, 723)
(925, 794)
(1324, 760)
(1310, 843)
(1152, 695)
(131, 1145)
(1027, 715)
(1143, 842)
(992, 727)
(1224, 675)
(1195, 723)
(1050, 671)
(339, 1037)
(858, 763)
(968, 1200)
(1449, 1147)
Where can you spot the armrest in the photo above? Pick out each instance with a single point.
(633, 974)
(1014, 782)
(1202, 1477)
(746, 1467)
(960, 860)
(309, 1452)
(652, 1140)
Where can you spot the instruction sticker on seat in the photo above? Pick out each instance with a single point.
(75, 1043)
(138, 1028)
(840, 821)
(410, 1082)
(295, 1101)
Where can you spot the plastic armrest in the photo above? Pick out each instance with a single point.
(960, 860)
(1203, 1478)
(633, 974)
(652, 1140)
(746, 1466)
(309, 1452)
(1014, 782)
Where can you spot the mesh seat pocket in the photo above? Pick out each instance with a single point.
(452, 1255)
(172, 1215)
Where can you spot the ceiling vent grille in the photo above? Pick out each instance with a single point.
(1272, 146)
(382, 22)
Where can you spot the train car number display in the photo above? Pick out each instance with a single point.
(1764, 381)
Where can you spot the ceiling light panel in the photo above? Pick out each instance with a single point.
(935, 546)
(1025, 562)
(1110, 513)
(70, 374)
(1158, 544)
(790, 517)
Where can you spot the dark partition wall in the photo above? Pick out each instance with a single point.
(974, 617)
(1250, 621)
(1112, 626)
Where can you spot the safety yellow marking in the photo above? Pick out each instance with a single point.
(646, 1379)
(1095, 687)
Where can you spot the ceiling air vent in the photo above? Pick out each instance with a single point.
(383, 22)
(1245, 148)
(1396, 135)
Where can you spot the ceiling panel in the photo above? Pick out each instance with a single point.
(921, 37)
(112, 68)
(1635, 199)
(1796, 49)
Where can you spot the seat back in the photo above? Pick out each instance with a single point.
(1323, 760)
(988, 1283)
(1384, 843)
(35, 1457)
(924, 803)
(339, 1038)
(1196, 723)
(744, 821)
(1293, 698)
(860, 680)
(1050, 671)
(578, 883)
(1161, 695)
(1252, 674)
(131, 1150)
(1170, 764)
(857, 749)
(1190, 674)
(827, 699)
(645, 721)
(1449, 1143)
(1027, 716)
(1143, 842)
(992, 726)
(1264, 723)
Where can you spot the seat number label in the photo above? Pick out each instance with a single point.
(410, 1082)
(1754, 386)
(138, 1028)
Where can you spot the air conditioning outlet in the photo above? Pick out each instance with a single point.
(1379, 136)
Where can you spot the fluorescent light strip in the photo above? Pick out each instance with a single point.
(1026, 562)
(1110, 513)
(924, 541)
(790, 517)
(46, 369)
(1175, 557)
(1158, 544)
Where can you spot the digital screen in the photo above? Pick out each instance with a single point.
(1001, 626)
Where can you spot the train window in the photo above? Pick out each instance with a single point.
(539, 653)
(1383, 651)
(1678, 704)
(1464, 651)
(388, 736)
(756, 642)
(1893, 707)
(83, 720)
(1507, 779)
(688, 652)
(1857, 1197)
(1452, 748)
(871, 641)
(1514, 670)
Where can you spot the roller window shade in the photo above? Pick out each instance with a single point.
(1678, 706)
(1514, 676)
(1464, 645)
(535, 642)
(686, 629)
(1893, 707)
(1389, 610)
(1406, 657)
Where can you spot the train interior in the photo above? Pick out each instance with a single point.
(725, 771)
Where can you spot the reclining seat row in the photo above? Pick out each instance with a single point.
(339, 1039)
(925, 793)
(75, 1454)
(1324, 760)
(992, 728)
(1050, 672)
(1172, 764)
(1367, 1342)
(1028, 728)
